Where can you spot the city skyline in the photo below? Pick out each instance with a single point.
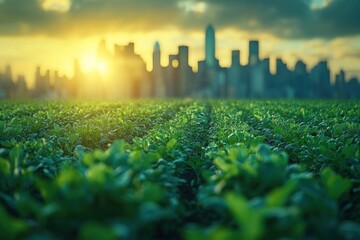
(122, 73)
(51, 33)
(87, 63)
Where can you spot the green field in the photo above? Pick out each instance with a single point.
(180, 169)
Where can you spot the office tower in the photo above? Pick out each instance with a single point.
(300, 67)
(267, 76)
(281, 78)
(156, 57)
(159, 84)
(300, 80)
(266, 65)
(38, 82)
(320, 79)
(253, 52)
(172, 76)
(256, 81)
(185, 72)
(183, 56)
(8, 73)
(339, 91)
(353, 88)
(174, 60)
(210, 47)
(282, 72)
(129, 49)
(233, 75)
(6, 83)
(341, 76)
(235, 58)
(21, 87)
(130, 78)
(42, 84)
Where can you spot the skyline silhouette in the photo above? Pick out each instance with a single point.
(50, 33)
(123, 74)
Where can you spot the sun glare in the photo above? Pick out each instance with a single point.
(193, 6)
(319, 4)
(92, 64)
(56, 5)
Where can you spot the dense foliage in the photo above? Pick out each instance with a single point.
(180, 170)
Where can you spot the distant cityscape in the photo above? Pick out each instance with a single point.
(126, 77)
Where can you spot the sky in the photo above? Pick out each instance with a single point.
(52, 33)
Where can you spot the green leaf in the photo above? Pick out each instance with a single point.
(214, 233)
(5, 166)
(250, 221)
(11, 228)
(95, 231)
(335, 184)
(232, 138)
(171, 144)
(279, 196)
(99, 173)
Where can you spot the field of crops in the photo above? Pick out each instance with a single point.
(180, 169)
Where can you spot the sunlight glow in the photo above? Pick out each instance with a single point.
(319, 4)
(192, 6)
(92, 64)
(56, 5)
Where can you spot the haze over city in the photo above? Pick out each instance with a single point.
(52, 33)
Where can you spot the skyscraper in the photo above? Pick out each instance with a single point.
(233, 85)
(210, 47)
(320, 79)
(159, 85)
(183, 55)
(156, 57)
(299, 80)
(253, 52)
(235, 57)
(185, 72)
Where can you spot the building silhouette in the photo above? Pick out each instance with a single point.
(253, 53)
(210, 58)
(7, 85)
(127, 77)
(159, 86)
(235, 84)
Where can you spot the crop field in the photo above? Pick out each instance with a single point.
(180, 169)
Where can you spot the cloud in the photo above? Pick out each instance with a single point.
(295, 19)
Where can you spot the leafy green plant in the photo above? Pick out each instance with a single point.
(189, 169)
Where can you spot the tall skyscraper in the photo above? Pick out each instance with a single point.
(300, 67)
(235, 58)
(159, 84)
(253, 52)
(233, 84)
(183, 55)
(210, 47)
(8, 72)
(156, 57)
(320, 79)
(185, 72)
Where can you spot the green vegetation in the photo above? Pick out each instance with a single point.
(180, 170)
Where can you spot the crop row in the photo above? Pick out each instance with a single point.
(118, 192)
(49, 138)
(316, 137)
(255, 193)
(195, 169)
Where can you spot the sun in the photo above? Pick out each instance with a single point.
(91, 64)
